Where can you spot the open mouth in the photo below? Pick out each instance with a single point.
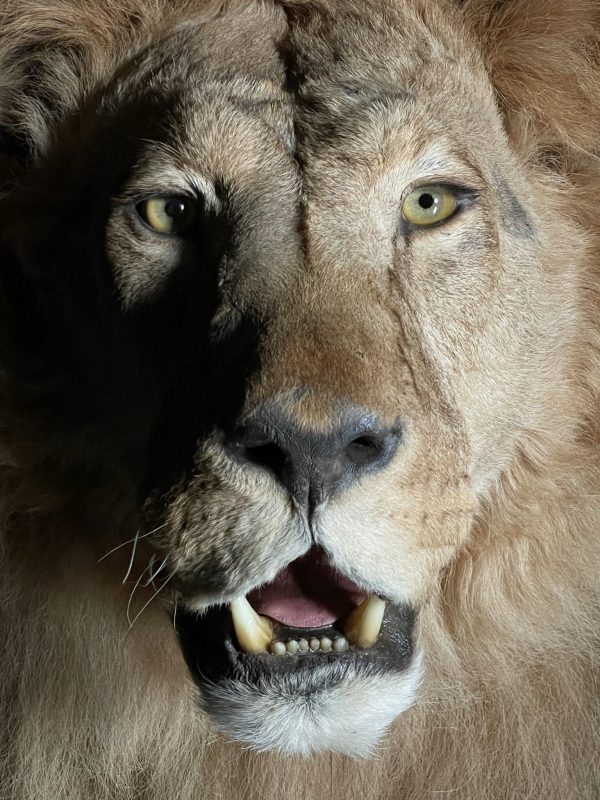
(309, 615)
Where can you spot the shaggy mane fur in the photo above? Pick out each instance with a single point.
(509, 705)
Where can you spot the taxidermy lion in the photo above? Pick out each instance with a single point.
(300, 372)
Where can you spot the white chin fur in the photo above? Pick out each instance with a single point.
(293, 715)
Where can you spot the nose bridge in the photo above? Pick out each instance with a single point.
(328, 345)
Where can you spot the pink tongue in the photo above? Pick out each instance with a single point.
(307, 593)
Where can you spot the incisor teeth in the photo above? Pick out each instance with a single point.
(324, 645)
(253, 632)
(364, 623)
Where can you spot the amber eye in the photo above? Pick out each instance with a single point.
(170, 214)
(428, 205)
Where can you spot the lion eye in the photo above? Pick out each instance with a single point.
(428, 205)
(173, 214)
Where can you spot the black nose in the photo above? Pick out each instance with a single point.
(314, 465)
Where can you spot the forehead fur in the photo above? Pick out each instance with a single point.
(55, 54)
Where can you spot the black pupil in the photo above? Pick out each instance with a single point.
(426, 200)
(175, 208)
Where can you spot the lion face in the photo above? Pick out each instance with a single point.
(311, 380)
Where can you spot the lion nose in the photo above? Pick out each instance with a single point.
(314, 465)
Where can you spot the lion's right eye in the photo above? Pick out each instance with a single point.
(172, 215)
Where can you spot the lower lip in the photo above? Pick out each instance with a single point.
(208, 644)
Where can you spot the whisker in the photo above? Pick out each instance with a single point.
(130, 567)
(137, 583)
(154, 575)
(158, 591)
(149, 567)
(137, 536)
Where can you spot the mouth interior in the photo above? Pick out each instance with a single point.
(313, 616)
(308, 593)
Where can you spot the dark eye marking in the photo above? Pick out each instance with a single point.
(514, 217)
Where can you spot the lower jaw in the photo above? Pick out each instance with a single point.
(306, 702)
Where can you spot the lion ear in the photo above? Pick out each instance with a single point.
(543, 58)
(39, 86)
(52, 56)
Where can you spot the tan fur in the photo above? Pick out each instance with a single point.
(510, 628)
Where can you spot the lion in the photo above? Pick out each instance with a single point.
(300, 379)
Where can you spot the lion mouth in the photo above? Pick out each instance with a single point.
(309, 615)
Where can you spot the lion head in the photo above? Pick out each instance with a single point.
(298, 305)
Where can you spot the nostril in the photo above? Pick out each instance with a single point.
(257, 446)
(266, 455)
(365, 450)
(371, 450)
(367, 442)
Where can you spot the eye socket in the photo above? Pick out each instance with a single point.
(173, 215)
(428, 205)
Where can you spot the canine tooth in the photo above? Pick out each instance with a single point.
(314, 645)
(340, 644)
(278, 648)
(253, 632)
(292, 646)
(303, 645)
(326, 644)
(364, 623)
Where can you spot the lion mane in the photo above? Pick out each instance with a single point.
(508, 706)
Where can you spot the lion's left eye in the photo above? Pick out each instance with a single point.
(172, 214)
(429, 205)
